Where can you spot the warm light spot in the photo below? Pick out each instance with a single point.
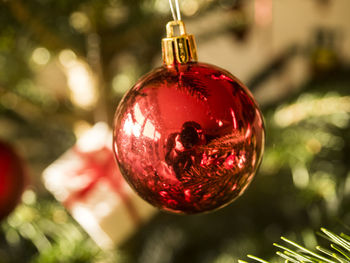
(103, 209)
(41, 56)
(229, 162)
(136, 130)
(127, 128)
(115, 15)
(138, 114)
(121, 83)
(94, 139)
(242, 160)
(157, 136)
(263, 12)
(115, 145)
(234, 121)
(80, 127)
(163, 194)
(29, 197)
(324, 184)
(131, 128)
(187, 193)
(161, 6)
(81, 84)
(300, 111)
(67, 58)
(149, 130)
(81, 80)
(59, 216)
(248, 132)
(313, 146)
(189, 7)
(178, 144)
(300, 176)
(80, 22)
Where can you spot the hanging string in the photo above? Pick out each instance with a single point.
(176, 16)
(178, 10)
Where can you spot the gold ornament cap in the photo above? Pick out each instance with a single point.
(178, 49)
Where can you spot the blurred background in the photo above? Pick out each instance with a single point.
(64, 66)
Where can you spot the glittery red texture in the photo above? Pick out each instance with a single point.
(188, 138)
(12, 180)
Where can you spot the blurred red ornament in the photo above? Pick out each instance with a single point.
(12, 180)
(188, 137)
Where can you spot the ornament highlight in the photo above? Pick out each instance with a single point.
(188, 137)
(12, 180)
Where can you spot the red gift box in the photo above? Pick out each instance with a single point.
(86, 179)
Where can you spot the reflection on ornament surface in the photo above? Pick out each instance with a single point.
(188, 138)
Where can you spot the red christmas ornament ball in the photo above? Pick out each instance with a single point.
(12, 180)
(188, 138)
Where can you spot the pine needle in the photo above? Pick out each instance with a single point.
(298, 256)
(341, 252)
(307, 250)
(330, 253)
(345, 236)
(337, 239)
(287, 257)
(257, 259)
(339, 243)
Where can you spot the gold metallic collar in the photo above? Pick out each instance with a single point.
(178, 49)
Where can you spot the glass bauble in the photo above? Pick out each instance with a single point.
(12, 179)
(188, 138)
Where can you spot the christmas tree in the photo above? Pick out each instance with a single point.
(64, 66)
